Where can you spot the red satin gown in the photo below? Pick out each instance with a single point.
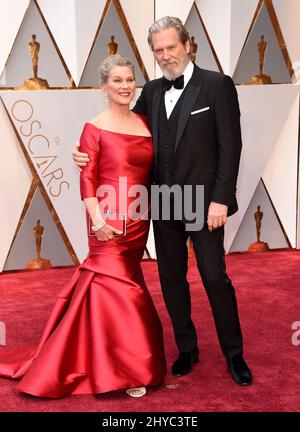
(103, 333)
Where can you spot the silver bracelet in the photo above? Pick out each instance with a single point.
(99, 225)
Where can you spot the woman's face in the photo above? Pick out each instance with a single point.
(120, 86)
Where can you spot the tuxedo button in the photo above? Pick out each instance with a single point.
(167, 146)
(167, 161)
(168, 175)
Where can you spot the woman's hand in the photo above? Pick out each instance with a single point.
(107, 233)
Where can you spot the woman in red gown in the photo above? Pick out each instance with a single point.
(103, 333)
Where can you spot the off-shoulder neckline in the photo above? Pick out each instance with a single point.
(119, 133)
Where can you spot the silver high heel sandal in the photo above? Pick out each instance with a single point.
(136, 392)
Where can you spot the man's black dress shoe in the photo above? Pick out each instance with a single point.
(184, 363)
(240, 372)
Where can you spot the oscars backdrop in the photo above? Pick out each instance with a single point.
(49, 58)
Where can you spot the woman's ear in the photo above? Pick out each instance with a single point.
(103, 89)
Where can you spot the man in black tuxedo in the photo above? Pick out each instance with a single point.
(194, 117)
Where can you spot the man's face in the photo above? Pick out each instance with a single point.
(170, 53)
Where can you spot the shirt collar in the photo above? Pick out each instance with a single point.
(187, 75)
(188, 72)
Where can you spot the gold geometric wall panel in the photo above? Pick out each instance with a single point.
(288, 16)
(47, 124)
(213, 23)
(264, 113)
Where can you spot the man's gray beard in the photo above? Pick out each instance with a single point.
(173, 75)
(170, 76)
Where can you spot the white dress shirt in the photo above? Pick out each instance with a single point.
(172, 95)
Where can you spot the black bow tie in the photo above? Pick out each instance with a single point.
(178, 83)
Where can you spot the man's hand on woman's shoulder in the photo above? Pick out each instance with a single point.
(80, 159)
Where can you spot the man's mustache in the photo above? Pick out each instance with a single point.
(166, 64)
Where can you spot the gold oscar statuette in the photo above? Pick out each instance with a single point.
(261, 78)
(35, 83)
(194, 48)
(258, 246)
(112, 46)
(38, 262)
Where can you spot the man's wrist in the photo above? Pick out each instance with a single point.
(218, 203)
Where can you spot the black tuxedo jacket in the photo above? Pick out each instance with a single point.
(208, 139)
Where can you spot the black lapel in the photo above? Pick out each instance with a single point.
(154, 119)
(189, 98)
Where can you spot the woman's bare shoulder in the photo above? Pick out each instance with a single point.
(98, 120)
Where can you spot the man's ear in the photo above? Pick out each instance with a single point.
(188, 47)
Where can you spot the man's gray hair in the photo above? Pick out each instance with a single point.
(109, 63)
(165, 23)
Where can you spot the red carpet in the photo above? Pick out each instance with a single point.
(267, 288)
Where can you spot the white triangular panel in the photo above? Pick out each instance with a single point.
(288, 15)
(242, 14)
(11, 16)
(15, 181)
(151, 243)
(88, 15)
(111, 26)
(133, 11)
(280, 174)
(23, 249)
(204, 55)
(216, 15)
(19, 64)
(79, 21)
(274, 62)
(264, 112)
(271, 231)
(49, 143)
(176, 8)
